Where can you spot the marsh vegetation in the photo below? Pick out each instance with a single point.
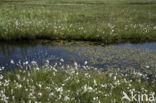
(75, 72)
(103, 20)
(72, 84)
(36, 70)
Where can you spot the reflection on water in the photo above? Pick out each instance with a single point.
(151, 46)
(35, 52)
(122, 56)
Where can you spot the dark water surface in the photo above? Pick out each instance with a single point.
(151, 46)
(117, 56)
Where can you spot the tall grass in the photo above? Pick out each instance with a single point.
(107, 22)
(72, 84)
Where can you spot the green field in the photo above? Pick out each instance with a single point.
(92, 20)
(74, 84)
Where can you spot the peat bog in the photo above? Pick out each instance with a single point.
(77, 51)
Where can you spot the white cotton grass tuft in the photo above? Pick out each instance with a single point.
(85, 63)
(39, 94)
(62, 60)
(12, 61)
(66, 98)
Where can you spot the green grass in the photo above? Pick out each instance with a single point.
(103, 20)
(71, 84)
